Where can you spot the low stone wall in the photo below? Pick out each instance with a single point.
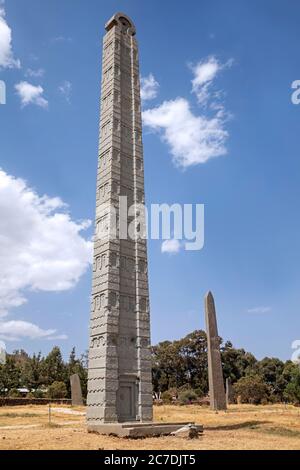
(32, 401)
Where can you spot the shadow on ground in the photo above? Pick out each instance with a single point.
(232, 427)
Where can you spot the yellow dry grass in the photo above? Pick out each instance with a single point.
(241, 427)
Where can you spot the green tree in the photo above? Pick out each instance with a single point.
(10, 374)
(53, 368)
(292, 389)
(252, 389)
(57, 390)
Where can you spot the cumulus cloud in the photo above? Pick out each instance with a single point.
(171, 246)
(259, 310)
(65, 90)
(204, 73)
(7, 59)
(192, 139)
(149, 88)
(19, 330)
(41, 247)
(31, 94)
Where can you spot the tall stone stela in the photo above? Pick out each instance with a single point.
(215, 372)
(119, 377)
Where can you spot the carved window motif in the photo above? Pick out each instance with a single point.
(104, 158)
(126, 104)
(108, 49)
(130, 265)
(138, 164)
(106, 101)
(105, 131)
(117, 125)
(98, 263)
(117, 45)
(108, 74)
(113, 259)
(142, 266)
(103, 261)
(102, 224)
(97, 342)
(138, 137)
(102, 300)
(117, 71)
(131, 304)
(115, 188)
(140, 196)
(112, 299)
(117, 97)
(116, 155)
(143, 304)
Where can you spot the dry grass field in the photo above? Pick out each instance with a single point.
(241, 427)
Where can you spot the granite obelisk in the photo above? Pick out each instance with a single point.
(119, 378)
(76, 392)
(215, 372)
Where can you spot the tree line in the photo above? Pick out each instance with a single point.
(179, 369)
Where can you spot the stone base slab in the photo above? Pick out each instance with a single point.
(138, 430)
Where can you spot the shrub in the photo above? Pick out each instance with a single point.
(57, 390)
(187, 397)
(14, 393)
(167, 396)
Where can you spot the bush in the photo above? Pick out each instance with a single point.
(167, 396)
(252, 389)
(14, 393)
(39, 394)
(57, 390)
(187, 397)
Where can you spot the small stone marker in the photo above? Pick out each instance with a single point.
(76, 392)
(215, 372)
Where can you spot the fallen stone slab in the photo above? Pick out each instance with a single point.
(139, 430)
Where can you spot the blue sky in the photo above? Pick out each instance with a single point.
(251, 258)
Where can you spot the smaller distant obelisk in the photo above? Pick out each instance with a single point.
(215, 372)
(76, 393)
(229, 392)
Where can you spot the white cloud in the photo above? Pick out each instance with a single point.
(35, 73)
(66, 89)
(171, 246)
(18, 330)
(205, 72)
(31, 94)
(259, 310)
(41, 247)
(6, 53)
(192, 139)
(58, 39)
(149, 88)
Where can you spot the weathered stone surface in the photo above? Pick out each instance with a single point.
(229, 392)
(215, 372)
(119, 382)
(76, 392)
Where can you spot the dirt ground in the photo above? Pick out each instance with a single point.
(241, 427)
